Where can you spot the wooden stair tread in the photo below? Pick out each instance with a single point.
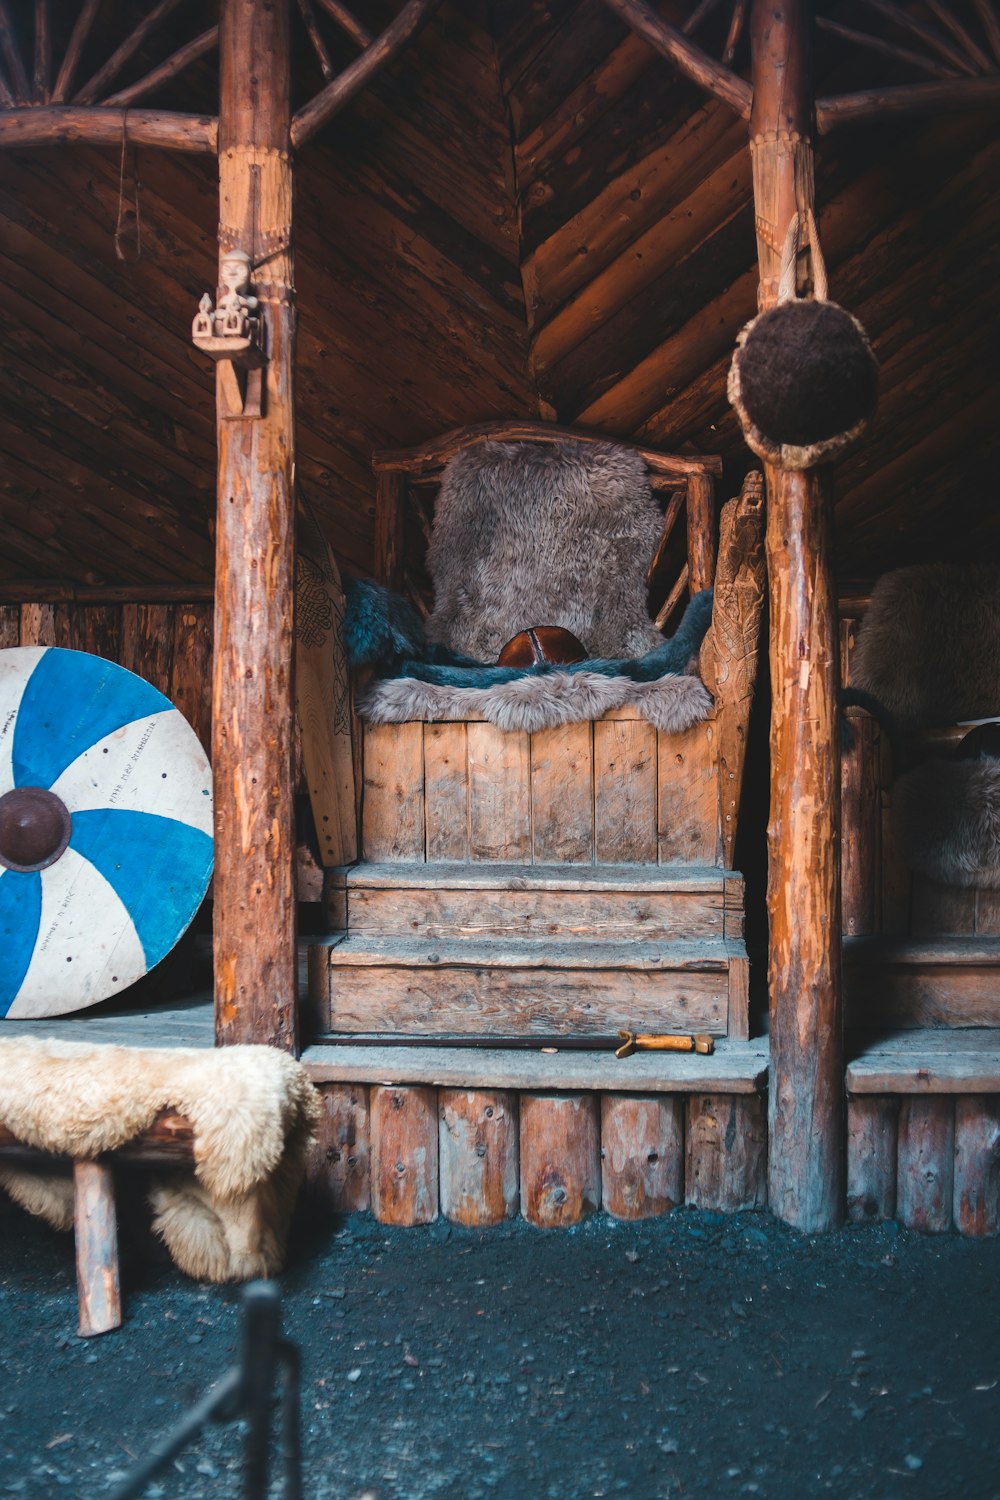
(926, 1061)
(907, 950)
(550, 877)
(374, 951)
(736, 1067)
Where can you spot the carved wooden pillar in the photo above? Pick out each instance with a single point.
(806, 1108)
(255, 958)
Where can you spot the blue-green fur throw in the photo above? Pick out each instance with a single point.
(418, 679)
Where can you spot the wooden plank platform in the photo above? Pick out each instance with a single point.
(734, 1068)
(957, 1061)
(184, 1023)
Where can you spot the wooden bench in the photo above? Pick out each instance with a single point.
(169, 1142)
(923, 1130)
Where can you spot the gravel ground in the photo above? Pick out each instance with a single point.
(688, 1355)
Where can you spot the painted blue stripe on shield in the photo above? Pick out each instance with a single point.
(71, 701)
(152, 863)
(20, 914)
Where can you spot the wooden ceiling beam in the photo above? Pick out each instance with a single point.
(42, 73)
(703, 70)
(929, 34)
(946, 97)
(20, 86)
(313, 116)
(77, 42)
(348, 22)
(886, 49)
(990, 24)
(52, 125)
(962, 37)
(175, 63)
(93, 89)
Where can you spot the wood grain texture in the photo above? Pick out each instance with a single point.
(392, 812)
(499, 795)
(562, 794)
(872, 1138)
(404, 1155)
(688, 796)
(96, 1230)
(514, 989)
(977, 1165)
(338, 1169)
(625, 792)
(733, 1068)
(439, 911)
(726, 1153)
(860, 827)
(446, 791)
(730, 652)
(926, 1164)
(560, 1158)
(642, 1154)
(252, 690)
(478, 1156)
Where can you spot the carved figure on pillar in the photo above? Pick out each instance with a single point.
(233, 324)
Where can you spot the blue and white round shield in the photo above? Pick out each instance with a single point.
(105, 829)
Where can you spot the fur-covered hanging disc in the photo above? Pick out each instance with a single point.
(803, 380)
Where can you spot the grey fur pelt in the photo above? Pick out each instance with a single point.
(671, 703)
(929, 648)
(947, 814)
(530, 534)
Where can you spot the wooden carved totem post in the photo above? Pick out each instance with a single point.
(806, 1109)
(255, 957)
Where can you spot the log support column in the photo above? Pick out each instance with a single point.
(255, 958)
(806, 1108)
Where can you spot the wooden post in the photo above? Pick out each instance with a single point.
(478, 1156)
(96, 1225)
(404, 1155)
(806, 1109)
(255, 961)
(560, 1158)
(642, 1154)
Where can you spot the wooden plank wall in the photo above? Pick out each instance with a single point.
(411, 318)
(639, 268)
(169, 644)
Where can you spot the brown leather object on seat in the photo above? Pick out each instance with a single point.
(541, 643)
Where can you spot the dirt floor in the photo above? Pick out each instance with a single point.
(688, 1355)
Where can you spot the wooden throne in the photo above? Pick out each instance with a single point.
(567, 882)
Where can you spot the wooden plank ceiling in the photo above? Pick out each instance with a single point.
(529, 213)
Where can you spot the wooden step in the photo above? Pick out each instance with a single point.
(927, 1061)
(734, 1068)
(923, 1130)
(527, 987)
(609, 902)
(921, 982)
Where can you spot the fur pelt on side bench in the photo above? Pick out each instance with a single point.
(252, 1110)
(947, 815)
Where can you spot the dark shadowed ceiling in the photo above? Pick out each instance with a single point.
(530, 213)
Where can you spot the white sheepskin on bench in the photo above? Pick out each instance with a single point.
(252, 1111)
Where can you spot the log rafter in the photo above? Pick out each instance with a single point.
(950, 93)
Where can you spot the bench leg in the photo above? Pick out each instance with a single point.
(96, 1249)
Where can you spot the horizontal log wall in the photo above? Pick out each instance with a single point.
(478, 1157)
